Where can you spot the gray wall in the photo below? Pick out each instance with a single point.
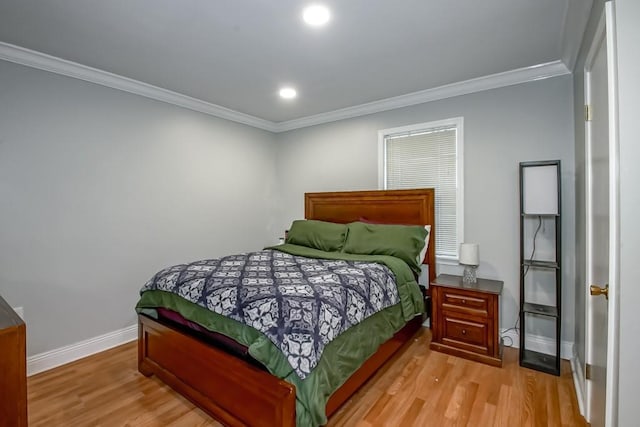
(628, 37)
(99, 189)
(502, 127)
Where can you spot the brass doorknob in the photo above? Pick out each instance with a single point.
(595, 290)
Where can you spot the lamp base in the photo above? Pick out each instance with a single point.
(469, 275)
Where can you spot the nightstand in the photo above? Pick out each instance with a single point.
(466, 317)
(13, 368)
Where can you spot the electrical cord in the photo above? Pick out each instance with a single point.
(533, 252)
(504, 333)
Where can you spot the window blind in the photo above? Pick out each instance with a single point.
(428, 159)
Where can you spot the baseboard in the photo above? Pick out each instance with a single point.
(63, 355)
(579, 383)
(539, 343)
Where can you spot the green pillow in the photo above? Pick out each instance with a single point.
(326, 236)
(401, 241)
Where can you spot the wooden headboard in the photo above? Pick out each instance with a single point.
(408, 207)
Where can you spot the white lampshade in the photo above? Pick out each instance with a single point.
(469, 254)
(540, 190)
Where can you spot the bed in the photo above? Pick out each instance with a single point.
(236, 391)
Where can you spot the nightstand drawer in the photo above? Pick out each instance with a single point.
(466, 332)
(477, 304)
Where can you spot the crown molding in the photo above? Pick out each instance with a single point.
(31, 58)
(493, 81)
(576, 17)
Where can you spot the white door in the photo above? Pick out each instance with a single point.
(598, 234)
(601, 213)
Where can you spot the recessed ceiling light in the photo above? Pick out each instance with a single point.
(288, 93)
(316, 15)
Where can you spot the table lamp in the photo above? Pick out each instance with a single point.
(470, 258)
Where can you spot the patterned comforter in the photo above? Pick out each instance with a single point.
(301, 304)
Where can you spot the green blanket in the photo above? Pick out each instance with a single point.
(343, 356)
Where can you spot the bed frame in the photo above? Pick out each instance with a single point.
(234, 391)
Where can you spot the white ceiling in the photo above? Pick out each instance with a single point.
(237, 53)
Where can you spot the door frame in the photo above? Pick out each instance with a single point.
(606, 28)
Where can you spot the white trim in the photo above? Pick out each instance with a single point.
(382, 159)
(63, 355)
(595, 43)
(564, 48)
(577, 370)
(493, 81)
(576, 17)
(447, 260)
(41, 61)
(611, 403)
(606, 29)
(460, 163)
(540, 343)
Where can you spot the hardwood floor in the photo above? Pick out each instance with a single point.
(419, 387)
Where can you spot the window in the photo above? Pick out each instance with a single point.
(428, 155)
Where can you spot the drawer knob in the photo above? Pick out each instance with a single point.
(464, 332)
(464, 301)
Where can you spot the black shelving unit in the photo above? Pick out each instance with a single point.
(542, 205)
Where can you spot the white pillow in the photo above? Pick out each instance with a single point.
(423, 252)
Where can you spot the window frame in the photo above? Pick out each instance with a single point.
(458, 122)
